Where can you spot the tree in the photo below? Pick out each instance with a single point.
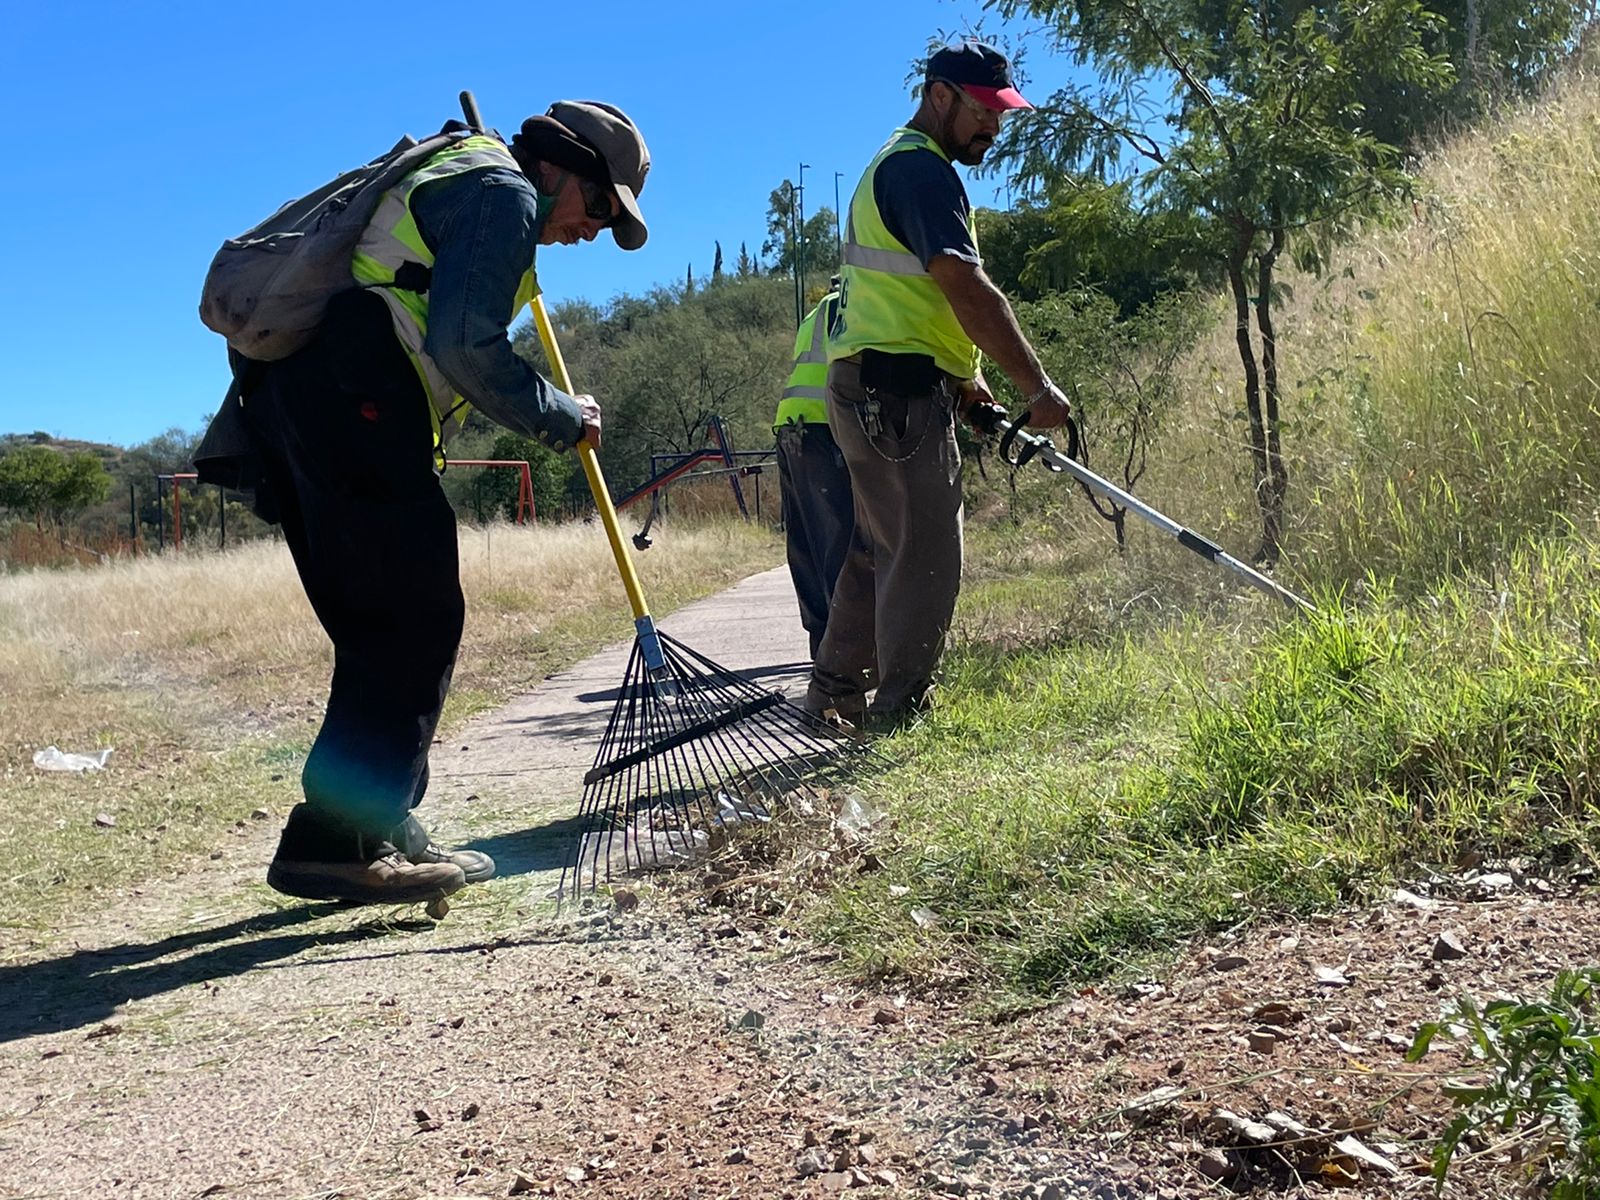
(1267, 144)
(1089, 233)
(1120, 372)
(716, 264)
(821, 247)
(746, 266)
(662, 364)
(43, 482)
(1507, 48)
(549, 471)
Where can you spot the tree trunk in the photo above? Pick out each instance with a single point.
(1469, 64)
(1252, 380)
(1277, 474)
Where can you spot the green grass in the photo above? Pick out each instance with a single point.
(1131, 753)
(1074, 811)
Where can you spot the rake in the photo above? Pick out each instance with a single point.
(691, 748)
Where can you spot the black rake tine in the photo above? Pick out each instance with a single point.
(680, 741)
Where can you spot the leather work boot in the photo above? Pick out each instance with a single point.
(418, 846)
(316, 861)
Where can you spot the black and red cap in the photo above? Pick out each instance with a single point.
(981, 71)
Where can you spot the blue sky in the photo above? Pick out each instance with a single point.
(143, 134)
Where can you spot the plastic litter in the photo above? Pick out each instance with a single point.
(857, 817)
(732, 810)
(52, 759)
(648, 844)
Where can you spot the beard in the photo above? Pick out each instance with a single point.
(968, 153)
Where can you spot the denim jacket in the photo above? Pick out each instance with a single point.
(483, 227)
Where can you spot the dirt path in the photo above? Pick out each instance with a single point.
(208, 1038)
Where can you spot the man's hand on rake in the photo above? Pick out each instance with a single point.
(589, 412)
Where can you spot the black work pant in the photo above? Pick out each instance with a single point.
(818, 518)
(344, 437)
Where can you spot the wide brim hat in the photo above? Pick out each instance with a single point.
(621, 150)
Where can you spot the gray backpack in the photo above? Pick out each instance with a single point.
(267, 290)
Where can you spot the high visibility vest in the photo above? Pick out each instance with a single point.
(804, 398)
(391, 248)
(887, 299)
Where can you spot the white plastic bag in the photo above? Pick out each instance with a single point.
(856, 817)
(52, 759)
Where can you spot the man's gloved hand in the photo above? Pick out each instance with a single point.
(590, 413)
(985, 416)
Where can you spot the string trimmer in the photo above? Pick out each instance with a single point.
(1018, 447)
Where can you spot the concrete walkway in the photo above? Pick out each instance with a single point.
(510, 782)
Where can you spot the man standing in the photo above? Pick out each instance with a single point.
(346, 438)
(916, 311)
(818, 510)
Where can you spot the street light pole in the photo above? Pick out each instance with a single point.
(838, 229)
(802, 212)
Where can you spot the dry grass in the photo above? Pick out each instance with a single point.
(1441, 379)
(207, 671)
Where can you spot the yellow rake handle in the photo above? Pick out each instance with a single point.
(591, 469)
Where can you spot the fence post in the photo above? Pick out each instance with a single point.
(222, 517)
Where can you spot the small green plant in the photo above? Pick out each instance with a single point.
(1543, 1083)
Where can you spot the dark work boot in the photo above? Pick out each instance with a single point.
(418, 846)
(317, 860)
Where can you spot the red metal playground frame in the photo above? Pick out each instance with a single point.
(667, 468)
(525, 513)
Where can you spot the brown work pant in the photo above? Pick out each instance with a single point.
(896, 593)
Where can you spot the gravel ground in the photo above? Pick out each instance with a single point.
(207, 1038)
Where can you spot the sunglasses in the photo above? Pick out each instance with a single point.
(979, 109)
(597, 203)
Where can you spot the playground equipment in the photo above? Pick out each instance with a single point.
(665, 469)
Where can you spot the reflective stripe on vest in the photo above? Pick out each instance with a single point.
(804, 398)
(888, 301)
(392, 242)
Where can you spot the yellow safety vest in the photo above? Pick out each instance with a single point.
(887, 300)
(804, 398)
(391, 241)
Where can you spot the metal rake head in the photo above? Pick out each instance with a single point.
(691, 751)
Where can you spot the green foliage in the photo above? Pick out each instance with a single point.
(1542, 1082)
(1087, 233)
(1119, 370)
(663, 365)
(818, 236)
(42, 482)
(494, 492)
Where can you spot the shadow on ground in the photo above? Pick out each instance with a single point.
(749, 674)
(87, 986)
(529, 851)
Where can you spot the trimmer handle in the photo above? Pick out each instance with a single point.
(987, 418)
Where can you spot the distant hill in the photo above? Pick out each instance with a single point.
(109, 456)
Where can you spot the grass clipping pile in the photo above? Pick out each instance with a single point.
(765, 866)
